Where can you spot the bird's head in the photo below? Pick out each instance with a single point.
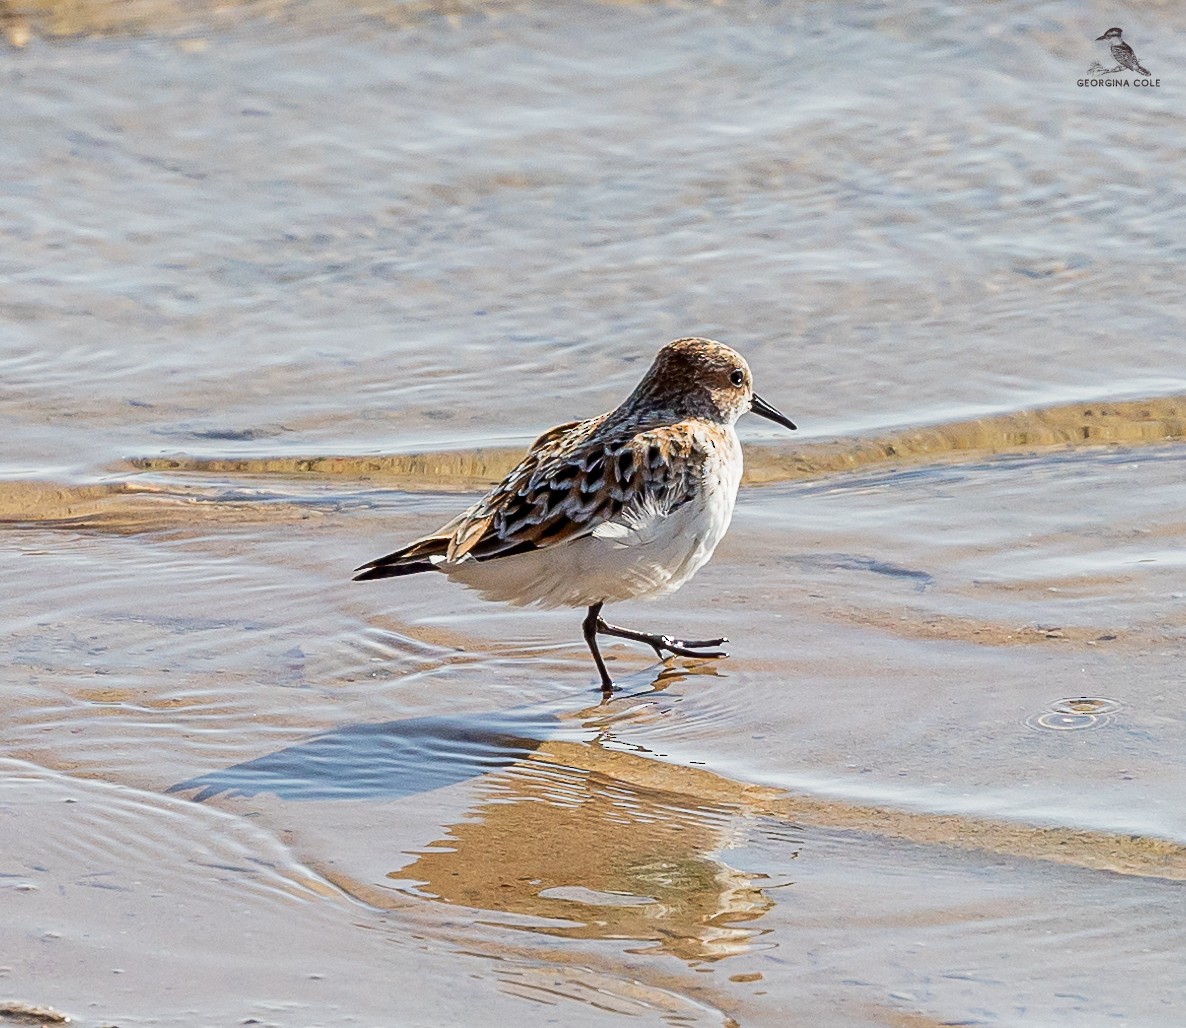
(1110, 34)
(702, 378)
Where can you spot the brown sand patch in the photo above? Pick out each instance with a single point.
(1069, 426)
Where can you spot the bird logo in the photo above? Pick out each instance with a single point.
(1122, 54)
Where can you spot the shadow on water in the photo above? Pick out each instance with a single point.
(392, 759)
(387, 760)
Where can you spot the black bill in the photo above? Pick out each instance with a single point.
(760, 406)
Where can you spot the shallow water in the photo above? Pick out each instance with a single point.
(285, 284)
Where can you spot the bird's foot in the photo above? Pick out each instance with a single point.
(594, 625)
(665, 644)
(686, 647)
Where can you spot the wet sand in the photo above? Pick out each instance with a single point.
(627, 857)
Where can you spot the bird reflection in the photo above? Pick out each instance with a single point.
(586, 855)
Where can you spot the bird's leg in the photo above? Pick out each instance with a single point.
(659, 643)
(590, 626)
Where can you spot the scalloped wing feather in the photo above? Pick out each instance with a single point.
(576, 480)
(574, 483)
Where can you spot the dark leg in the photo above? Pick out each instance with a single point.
(659, 643)
(590, 625)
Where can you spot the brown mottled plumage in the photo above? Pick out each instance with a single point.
(627, 504)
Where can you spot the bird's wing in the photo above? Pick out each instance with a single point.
(457, 539)
(578, 481)
(1125, 55)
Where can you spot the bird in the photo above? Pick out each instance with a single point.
(628, 504)
(1122, 53)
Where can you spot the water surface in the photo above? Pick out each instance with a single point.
(283, 285)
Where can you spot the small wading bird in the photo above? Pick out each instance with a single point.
(629, 504)
(1122, 53)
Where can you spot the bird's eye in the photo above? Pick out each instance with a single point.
(738, 377)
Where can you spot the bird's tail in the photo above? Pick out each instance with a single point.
(1142, 71)
(410, 560)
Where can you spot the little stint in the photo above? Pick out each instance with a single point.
(625, 505)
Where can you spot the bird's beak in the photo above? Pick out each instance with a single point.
(760, 406)
(1100, 38)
